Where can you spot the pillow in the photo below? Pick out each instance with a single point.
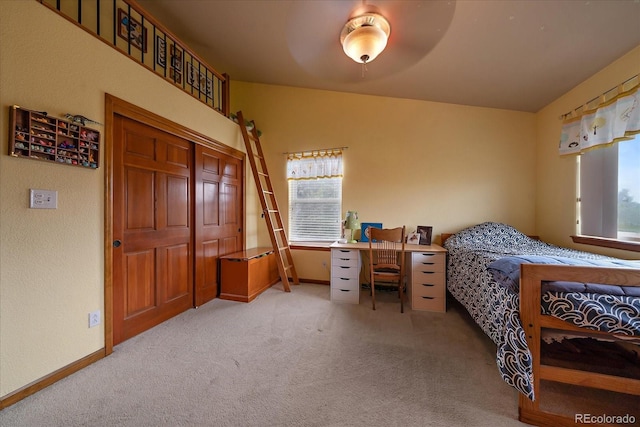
(487, 235)
(506, 272)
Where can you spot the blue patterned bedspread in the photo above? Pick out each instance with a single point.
(494, 305)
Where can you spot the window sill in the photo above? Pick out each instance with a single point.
(607, 243)
(310, 246)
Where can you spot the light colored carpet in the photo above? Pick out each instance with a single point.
(288, 359)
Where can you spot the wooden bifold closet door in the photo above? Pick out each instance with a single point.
(177, 207)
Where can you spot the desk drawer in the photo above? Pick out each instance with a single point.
(337, 263)
(427, 261)
(343, 257)
(345, 253)
(343, 271)
(345, 283)
(345, 295)
(426, 289)
(428, 303)
(421, 277)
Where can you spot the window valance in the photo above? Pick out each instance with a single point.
(314, 164)
(613, 120)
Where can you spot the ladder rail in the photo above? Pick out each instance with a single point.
(269, 204)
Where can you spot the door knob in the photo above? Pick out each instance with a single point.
(116, 243)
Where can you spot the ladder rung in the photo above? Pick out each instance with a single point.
(269, 205)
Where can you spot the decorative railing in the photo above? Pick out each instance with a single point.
(128, 28)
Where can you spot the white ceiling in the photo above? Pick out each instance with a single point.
(517, 55)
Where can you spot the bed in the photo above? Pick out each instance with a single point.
(529, 297)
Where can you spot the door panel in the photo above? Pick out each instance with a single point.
(151, 208)
(177, 272)
(218, 182)
(141, 295)
(178, 201)
(139, 199)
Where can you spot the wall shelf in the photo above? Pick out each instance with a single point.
(36, 135)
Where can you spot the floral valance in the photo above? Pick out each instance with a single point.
(614, 120)
(315, 164)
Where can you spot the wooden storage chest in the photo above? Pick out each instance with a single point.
(246, 274)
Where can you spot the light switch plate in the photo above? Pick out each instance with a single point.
(43, 199)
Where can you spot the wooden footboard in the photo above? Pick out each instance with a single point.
(533, 322)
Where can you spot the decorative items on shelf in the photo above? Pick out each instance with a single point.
(351, 223)
(425, 234)
(365, 230)
(413, 238)
(36, 135)
(248, 123)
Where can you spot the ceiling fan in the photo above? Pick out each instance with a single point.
(329, 38)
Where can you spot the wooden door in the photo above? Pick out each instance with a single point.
(152, 230)
(218, 216)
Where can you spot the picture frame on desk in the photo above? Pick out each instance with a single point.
(425, 232)
(413, 238)
(364, 226)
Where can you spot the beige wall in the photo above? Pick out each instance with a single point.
(443, 165)
(556, 175)
(408, 162)
(51, 261)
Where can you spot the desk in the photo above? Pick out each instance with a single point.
(425, 267)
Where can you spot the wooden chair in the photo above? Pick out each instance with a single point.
(386, 259)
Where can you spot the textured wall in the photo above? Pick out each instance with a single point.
(52, 261)
(408, 162)
(557, 175)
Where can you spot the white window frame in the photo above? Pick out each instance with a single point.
(598, 193)
(315, 219)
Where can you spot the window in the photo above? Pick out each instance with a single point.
(315, 207)
(609, 191)
(315, 195)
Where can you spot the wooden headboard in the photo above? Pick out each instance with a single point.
(445, 236)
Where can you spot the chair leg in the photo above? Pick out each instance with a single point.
(373, 295)
(400, 290)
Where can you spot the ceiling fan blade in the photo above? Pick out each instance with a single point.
(313, 35)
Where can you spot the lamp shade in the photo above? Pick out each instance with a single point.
(365, 43)
(351, 221)
(364, 37)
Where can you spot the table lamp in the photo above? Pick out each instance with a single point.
(351, 223)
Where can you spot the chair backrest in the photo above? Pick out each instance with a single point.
(388, 244)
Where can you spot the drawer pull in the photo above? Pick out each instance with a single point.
(344, 266)
(345, 278)
(344, 259)
(428, 254)
(345, 290)
(346, 251)
(427, 284)
(428, 297)
(429, 263)
(428, 272)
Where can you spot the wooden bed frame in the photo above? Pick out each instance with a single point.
(533, 321)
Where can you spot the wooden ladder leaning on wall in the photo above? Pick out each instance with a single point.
(269, 204)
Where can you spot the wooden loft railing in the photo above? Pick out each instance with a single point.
(126, 26)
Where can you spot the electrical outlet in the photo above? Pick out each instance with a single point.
(94, 318)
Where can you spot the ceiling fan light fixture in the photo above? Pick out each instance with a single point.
(364, 37)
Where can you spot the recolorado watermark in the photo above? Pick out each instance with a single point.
(604, 419)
